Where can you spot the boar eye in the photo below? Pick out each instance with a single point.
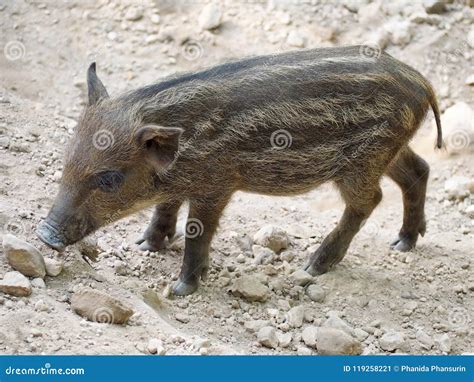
(109, 181)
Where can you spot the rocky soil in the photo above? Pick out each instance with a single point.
(107, 297)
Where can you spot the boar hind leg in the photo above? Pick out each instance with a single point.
(360, 202)
(163, 224)
(411, 173)
(202, 222)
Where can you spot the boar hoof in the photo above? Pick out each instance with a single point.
(145, 245)
(403, 244)
(181, 288)
(316, 269)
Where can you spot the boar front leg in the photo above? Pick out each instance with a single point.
(163, 224)
(360, 202)
(202, 222)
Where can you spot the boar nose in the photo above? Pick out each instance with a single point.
(50, 236)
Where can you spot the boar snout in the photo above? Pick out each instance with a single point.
(65, 224)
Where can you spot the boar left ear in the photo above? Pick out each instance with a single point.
(160, 144)
(96, 89)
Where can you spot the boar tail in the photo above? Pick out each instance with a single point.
(434, 106)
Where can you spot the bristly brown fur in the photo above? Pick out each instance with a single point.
(279, 125)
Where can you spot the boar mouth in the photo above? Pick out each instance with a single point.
(50, 236)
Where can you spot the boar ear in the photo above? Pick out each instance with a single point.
(96, 88)
(160, 144)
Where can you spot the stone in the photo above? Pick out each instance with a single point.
(133, 14)
(15, 284)
(98, 306)
(155, 346)
(53, 267)
(399, 31)
(272, 237)
(284, 339)
(295, 316)
(182, 317)
(23, 257)
(267, 337)
(470, 211)
(210, 17)
(360, 334)
(469, 82)
(301, 277)
(295, 39)
(458, 187)
(434, 6)
(424, 339)
(458, 128)
(316, 293)
(332, 341)
(262, 255)
(391, 341)
(309, 336)
(254, 326)
(333, 321)
(443, 342)
(250, 288)
(38, 283)
(41, 306)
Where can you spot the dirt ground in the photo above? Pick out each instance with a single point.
(424, 296)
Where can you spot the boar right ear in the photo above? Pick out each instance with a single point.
(160, 144)
(96, 89)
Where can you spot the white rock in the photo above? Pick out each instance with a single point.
(335, 322)
(155, 19)
(470, 211)
(210, 16)
(470, 80)
(360, 334)
(316, 293)
(133, 14)
(400, 31)
(155, 346)
(458, 128)
(41, 306)
(16, 284)
(295, 316)
(424, 339)
(334, 341)
(23, 257)
(53, 267)
(272, 237)
(250, 288)
(309, 335)
(254, 326)
(267, 337)
(443, 342)
(391, 341)
(301, 277)
(38, 283)
(262, 255)
(295, 39)
(459, 187)
(284, 339)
